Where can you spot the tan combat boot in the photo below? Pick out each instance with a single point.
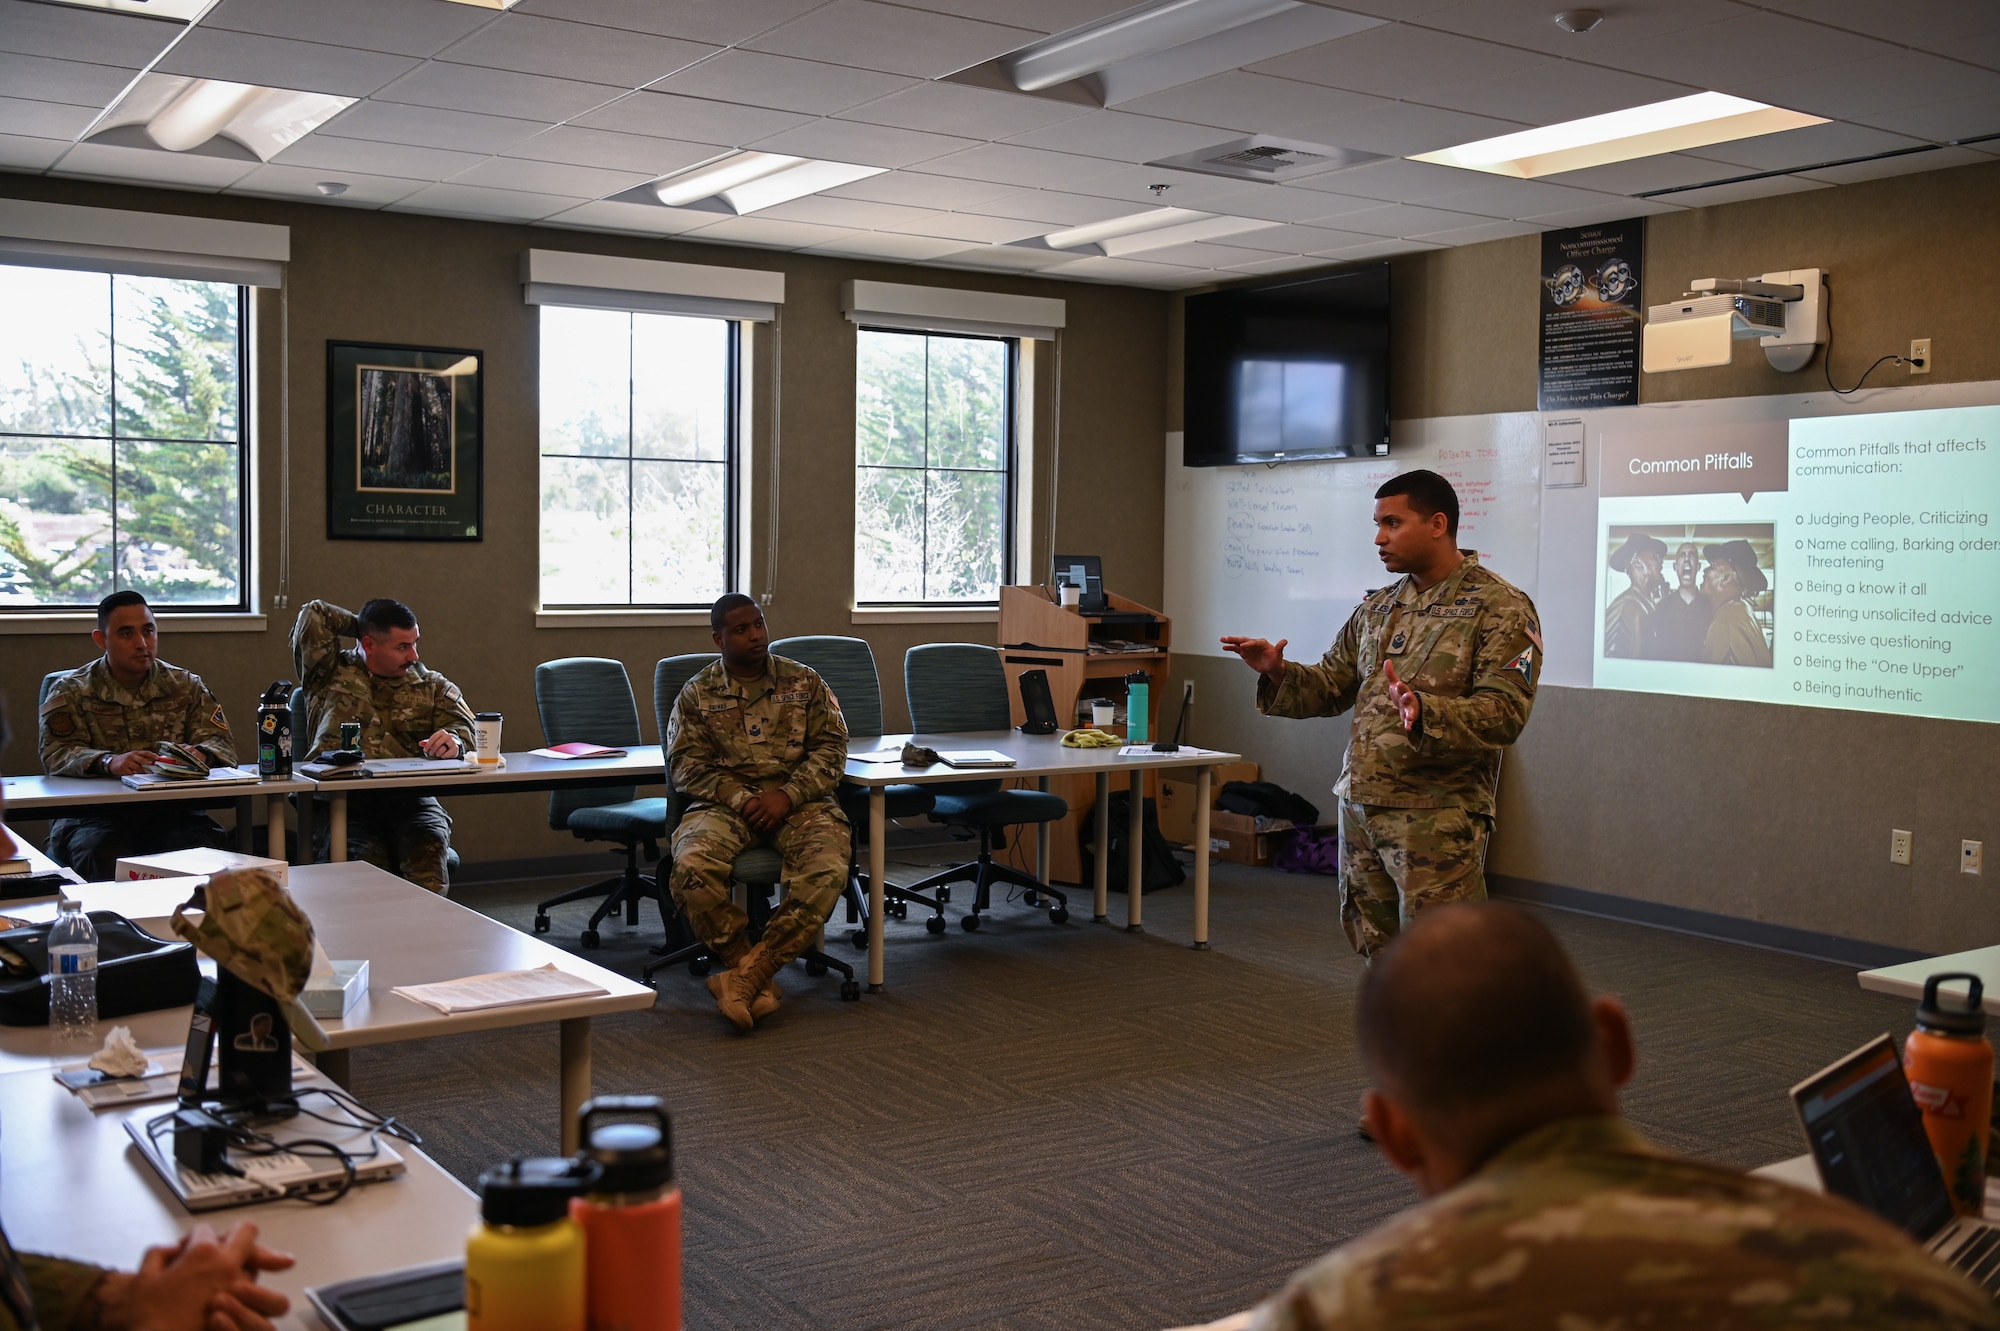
(742, 994)
(729, 956)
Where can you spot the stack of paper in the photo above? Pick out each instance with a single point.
(500, 989)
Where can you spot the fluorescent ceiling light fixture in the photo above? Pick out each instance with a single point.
(1620, 136)
(1092, 233)
(1122, 37)
(184, 114)
(1153, 230)
(748, 181)
(488, 4)
(1212, 228)
(185, 10)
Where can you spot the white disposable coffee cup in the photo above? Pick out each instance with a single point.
(486, 739)
(1103, 713)
(1071, 594)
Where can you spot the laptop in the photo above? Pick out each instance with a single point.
(273, 1172)
(1867, 1137)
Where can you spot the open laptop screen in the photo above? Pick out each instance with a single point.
(1868, 1137)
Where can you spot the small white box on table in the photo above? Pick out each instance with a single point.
(198, 862)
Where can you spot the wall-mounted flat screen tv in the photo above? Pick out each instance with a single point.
(1289, 371)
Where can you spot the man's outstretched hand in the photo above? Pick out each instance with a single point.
(1263, 657)
(1408, 705)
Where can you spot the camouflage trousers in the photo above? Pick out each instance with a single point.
(1396, 862)
(815, 846)
(93, 846)
(409, 835)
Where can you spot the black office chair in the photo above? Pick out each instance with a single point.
(961, 686)
(848, 667)
(588, 699)
(759, 869)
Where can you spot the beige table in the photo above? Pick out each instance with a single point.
(73, 1185)
(408, 936)
(37, 861)
(1042, 757)
(39, 797)
(1907, 980)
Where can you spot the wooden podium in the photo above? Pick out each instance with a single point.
(1037, 632)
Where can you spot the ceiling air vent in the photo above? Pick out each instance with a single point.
(1262, 157)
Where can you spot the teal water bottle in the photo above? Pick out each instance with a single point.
(1138, 706)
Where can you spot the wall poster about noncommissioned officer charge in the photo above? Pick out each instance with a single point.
(1591, 315)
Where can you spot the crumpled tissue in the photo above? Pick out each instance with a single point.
(121, 1055)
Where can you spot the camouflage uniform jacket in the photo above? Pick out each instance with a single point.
(90, 717)
(1582, 1226)
(1469, 646)
(730, 741)
(396, 715)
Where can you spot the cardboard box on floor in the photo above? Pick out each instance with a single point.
(1176, 800)
(1242, 839)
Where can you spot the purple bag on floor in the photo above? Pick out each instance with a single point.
(1309, 851)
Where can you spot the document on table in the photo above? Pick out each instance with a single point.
(475, 993)
(894, 755)
(1148, 751)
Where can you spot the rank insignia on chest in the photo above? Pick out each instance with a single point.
(1525, 665)
(1396, 643)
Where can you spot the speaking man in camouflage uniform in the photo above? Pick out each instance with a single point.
(756, 745)
(1440, 670)
(405, 710)
(104, 719)
(1494, 1086)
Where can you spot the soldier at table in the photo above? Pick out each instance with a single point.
(107, 719)
(756, 746)
(404, 709)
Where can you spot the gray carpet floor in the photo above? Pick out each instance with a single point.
(1040, 1126)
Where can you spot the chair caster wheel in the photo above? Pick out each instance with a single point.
(970, 924)
(590, 938)
(541, 923)
(935, 924)
(944, 893)
(850, 991)
(1031, 898)
(901, 910)
(698, 967)
(815, 968)
(858, 940)
(1059, 915)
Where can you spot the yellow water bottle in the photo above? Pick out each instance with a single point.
(524, 1262)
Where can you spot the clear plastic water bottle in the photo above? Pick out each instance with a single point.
(73, 975)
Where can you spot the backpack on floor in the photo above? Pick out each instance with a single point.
(1158, 867)
(1266, 799)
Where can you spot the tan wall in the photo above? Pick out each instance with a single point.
(370, 276)
(1769, 813)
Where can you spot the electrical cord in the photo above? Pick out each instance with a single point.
(244, 1139)
(1826, 360)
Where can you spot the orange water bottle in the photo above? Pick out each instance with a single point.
(1950, 1067)
(631, 1216)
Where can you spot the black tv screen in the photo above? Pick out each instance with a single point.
(1289, 371)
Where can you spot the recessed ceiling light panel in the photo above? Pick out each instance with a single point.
(746, 182)
(182, 114)
(187, 11)
(1152, 230)
(1620, 136)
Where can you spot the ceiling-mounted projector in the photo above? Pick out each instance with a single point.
(1786, 312)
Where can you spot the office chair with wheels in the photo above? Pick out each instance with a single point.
(588, 699)
(759, 869)
(848, 667)
(961, 686)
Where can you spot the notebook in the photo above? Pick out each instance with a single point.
(1867, 1137)
(974, 758)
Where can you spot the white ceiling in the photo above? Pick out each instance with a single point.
(543, 113)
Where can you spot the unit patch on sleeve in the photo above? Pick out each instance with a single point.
(1525, 665)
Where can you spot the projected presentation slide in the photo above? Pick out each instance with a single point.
(1844, 561)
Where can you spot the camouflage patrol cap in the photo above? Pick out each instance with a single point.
(251, 925)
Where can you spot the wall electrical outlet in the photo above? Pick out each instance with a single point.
(1899, 846)
(1920, 355)
(1971, 856)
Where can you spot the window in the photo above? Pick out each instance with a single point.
(934, 452)
(639, 433)
(121, 451)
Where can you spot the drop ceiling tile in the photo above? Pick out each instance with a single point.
(1402, 128)
(1054, 208)
(1892, 82)
(102, 161)
(690, 119)
(882, 245)
(1275, 203)
(891, 38)
(298, 182)
(1124, 137)
(865, 145)
(1009, 257)
(1382, 249)
(70, 82)
(769, 232)
(279, 62)
(428, 127)
(1031, 167)
(1665, 171)
(1807, 147)
(1720, 55)
(722, 22)
(1337, 206)
(1203, 255)
(496, 92)
(94, 36)
(781, 83)
(1401, 61)
(1137, 271)
(1252, 103)
(1042, 16)
(1766, 188)
(43, 120)
(1612, 210)
(494, 205)
(320, 153)
(1881, 168)
(855, 214)
(1400, 10)
(1501, 196)
(1531, 23)
(1549, 95)
(974, 113)
(1405, 219)
(20, 152)
(1140, 184)
(631, 218)
(400, 27)
(1909, 22)
(1480, 232)
(1960, 118)
(528, 44)
(1282, 263)
(919, 190)
(1397, 180)
(577, 146)
(969, 228)
(529, 177)
(1298, 239)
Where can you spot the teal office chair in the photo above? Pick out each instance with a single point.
(588, 699)
(760, 869)
(848, 667)
(49, 684)
(960, 686)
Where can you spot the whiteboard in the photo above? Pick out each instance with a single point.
(1288, 551)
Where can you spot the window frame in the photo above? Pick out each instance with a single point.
(244, 607)
(582, 613)
(1009, 472)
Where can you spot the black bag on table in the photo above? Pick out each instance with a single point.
(1157, 867)
(136, 972)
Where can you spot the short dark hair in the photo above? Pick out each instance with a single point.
(378, 616)
(1472, 1006)
(1428, 493)
(718, 614)
(117, 601)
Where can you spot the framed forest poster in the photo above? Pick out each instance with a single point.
(404, 452)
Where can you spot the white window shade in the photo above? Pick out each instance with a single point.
(946, 310)
(605, 282)
(109, 240)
